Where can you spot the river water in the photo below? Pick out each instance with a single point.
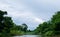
(29, 36)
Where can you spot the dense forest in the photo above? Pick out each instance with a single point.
(51, 27)
(9, 28)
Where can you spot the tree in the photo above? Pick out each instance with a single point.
(56, 22)
(6, 23)
(2, 13)
(24, 27)
(51, 27)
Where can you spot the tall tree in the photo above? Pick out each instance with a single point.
(56, 22)
(2, 13)
(24, 27)
(6, 23)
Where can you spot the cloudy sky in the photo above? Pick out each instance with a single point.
(31, 12)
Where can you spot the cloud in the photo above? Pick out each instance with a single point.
(39, 20)
(25, 16)
(3, 6)
(31, 12)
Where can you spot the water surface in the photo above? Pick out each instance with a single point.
(35, 36)
(29, 36)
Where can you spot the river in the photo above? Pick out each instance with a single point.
(35, 36)
(29, 36)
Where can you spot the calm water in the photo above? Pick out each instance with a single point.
(29, 36)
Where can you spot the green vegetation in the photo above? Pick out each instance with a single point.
(51, 27)
(8, 27)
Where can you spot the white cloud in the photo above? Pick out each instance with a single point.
(47, 1)
(26, 15)
(39, 20)
(3, 6)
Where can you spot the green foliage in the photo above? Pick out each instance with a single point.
(56, 22)
(51, 27)
(16, 32)
(8, 27)
(24, 27)
(2, 13)
(5, 24)
(49, 33)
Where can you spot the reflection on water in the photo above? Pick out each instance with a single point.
(32, 36)
(29, 36)
(35, 36)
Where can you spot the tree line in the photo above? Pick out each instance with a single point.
(8, 27)
(51, 27)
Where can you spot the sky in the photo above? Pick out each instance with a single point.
(31, 12)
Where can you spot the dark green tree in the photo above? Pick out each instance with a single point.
(6, 23)
(56, 22)
(24, 27)
(51, 27)
(2, 13)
